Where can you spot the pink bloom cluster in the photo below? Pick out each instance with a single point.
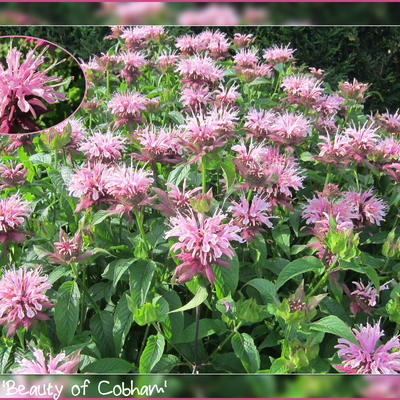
(199, 70)
(278, 54)
(161, 145)
(127, 107)
(137, 37)
(302, 89)
(365, 357)
(202, 242)
(250, 217)
(354, 90)
(13, 210)
(390, 122)
(268, 172)
(11, 176)
(133, 63)
(22, 298)
(242, 41)
(166, 61)
(103, 147)
(248, 67)
(60, 364)
(23, 88)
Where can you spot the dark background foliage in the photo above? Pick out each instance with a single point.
(370, 54)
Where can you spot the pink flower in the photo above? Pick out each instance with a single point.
(13, 209)
(246, 58)
(126, 107)
(23, 86)
(276, 54)
(103, 147)
(129, 186)
(241, 40)
(330, 104)
(196, 98)
(317, 73)
(22, 298)
(189, 45)
(199, 70)
(134, 62)
(12, 176)
(370, 209)
(334, 151)
(166, 61)
(202, 241)
(365, 357)
(226, 96)
(388, 149)
(89, 184)
(258, 123)
(175, 201)
(319, 210)
(205, 133)
(251, 217)
(302, 89)
(355, 90)
(159, 146)
(216, 43)
(60, 364)
(289, 129)
(268, 172)
(390, 122)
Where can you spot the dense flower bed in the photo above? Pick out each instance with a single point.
(213, 207)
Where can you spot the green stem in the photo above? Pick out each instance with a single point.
(286, 340)
(108, 83)
(196, 340)
(356, 176)
(324, 278)
(146, 333)
(83, 299)
(222, 344)
(141, 230)
(203, 175)
(328, 174)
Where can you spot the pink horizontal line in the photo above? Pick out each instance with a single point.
(181, 398)
(214, 1)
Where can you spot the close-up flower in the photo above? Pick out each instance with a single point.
(23, 298)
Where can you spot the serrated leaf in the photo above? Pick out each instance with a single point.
(198, 298)
(66, 312)
(246, 351)
(266, 289)
(226, 278)
(152, 353)
(332, 324)
(281, 235)
(229, 171)
(166, 364)
(177, 117)
(207, 327)
(297, 267)
(123, 320)
(178, 174)
(101, 326)
(100, 216)
(40, 158)
(57, 181)
(141, 274)
(107, 365)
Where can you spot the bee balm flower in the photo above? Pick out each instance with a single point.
(22, 298)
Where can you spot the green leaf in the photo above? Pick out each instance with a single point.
(178, 174)
(122, 323)
(228, 168)
(266, 289)
(101, 326)
(246, 351)
(152, 353)
(174, 323)
(100, 216)
(40, 158)
(57, 181)
(176, 117)
(66, 312)
(297, 267)
(373, 276)
(279, 366)
(281, 235)
(335, 326)
(226, 278)
(207, 327)
(105, 365)
(116, 269)
(147, 314)
(166, 364)
(5, 360)
(198, 298)
(141, 275)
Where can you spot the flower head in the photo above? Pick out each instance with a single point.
(133, 63)
(126, 107)
(364, 357)
(129, 186)
(89, 184)
(289, 129)
(76, 131)
(279, 54)
(22, 298)
(165, 61)
(195, 98)
(104, 147)
(354, 90)
(246, 58)
(251, 217)
(226, 96)
(23, 88)
(302, 89)
(13, 209)
(11, 176)
(60, 364)
(199, 70)
(258, 123)
(390, 122)
(241, 40)
(202, 241)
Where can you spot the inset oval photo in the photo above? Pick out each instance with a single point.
(41, 84)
